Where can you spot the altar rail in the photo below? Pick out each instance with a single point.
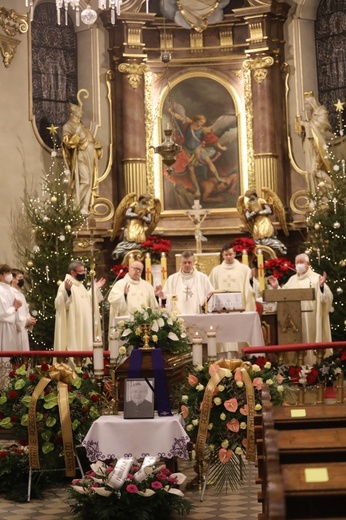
(299, 348)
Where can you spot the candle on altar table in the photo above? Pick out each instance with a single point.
(260, 269)
(197, 352)
(98, 357)
(163, 268)
(113, 344)
(147, 6)
(148, 267)
(245, 258)
(211, 335)
(131, 258)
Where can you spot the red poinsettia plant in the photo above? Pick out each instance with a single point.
(280, 267)
(244, 244)
(120, 270)
(156, 245)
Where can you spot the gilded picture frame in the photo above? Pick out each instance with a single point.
(204, 112)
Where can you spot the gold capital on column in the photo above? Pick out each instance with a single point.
(259, 66)
(134, 72)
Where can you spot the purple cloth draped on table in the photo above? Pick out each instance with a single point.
(161, 389)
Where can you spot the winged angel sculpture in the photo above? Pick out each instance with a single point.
(255, 212)
(141, 216)
(202, 146)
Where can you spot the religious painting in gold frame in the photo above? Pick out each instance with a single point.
(203, 110)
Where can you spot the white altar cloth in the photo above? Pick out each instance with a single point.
(229, 327)
(112, 437)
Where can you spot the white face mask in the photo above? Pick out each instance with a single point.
(301, 268)
(8, 278)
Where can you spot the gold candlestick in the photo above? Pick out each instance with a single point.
(145, 335)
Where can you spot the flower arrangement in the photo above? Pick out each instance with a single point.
(155, 497)
(280, 267)
(244, 244)
(15, 402)
(228, 415)
(156, 245)
(120, 270)
(165, 330)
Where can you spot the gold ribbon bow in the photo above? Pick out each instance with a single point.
(226, 365)
(64, 375)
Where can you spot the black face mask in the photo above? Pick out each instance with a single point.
(80, 277)
(20, 283)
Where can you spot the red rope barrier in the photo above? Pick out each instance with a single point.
(268, 349)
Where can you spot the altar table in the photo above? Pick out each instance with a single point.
(229, 327)
(112, 437)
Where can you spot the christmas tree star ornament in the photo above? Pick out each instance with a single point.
(52, 129)
(339, 106)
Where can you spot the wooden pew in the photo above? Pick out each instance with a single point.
(290, 440)
(292, 493)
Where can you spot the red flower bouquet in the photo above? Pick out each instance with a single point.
(156, 245)
(244, 244)
(281, 268)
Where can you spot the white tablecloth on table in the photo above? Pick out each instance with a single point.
(229, 327)
(112, 437)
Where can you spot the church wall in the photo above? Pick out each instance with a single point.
(24, 158)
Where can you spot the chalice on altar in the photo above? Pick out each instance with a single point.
(145, 328)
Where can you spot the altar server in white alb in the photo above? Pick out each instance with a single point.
(187, 290)
(24, 320)
(74, 314)
(131, 293)
(232, 275)
(9, 306)
(315, 313)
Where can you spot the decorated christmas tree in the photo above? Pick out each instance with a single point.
(326, 225)
(54, 224)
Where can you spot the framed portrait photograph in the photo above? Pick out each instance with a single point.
(139, 398)
(203, 115)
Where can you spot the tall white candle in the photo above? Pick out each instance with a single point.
(260, 269)
(245, 258)
(211, 335)
(98, 358)
(197, 352)
(113, 349)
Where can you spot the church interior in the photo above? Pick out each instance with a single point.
(259, 85)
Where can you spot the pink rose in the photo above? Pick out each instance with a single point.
(279, 378)
(184, 411)
(244, 410)
(238, 375)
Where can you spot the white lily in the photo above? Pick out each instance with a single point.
(146, 493)
(155, 326)
(180, 477)
(173, 336)
(80, 490)
(126, 333)
(174, 491)
(103, 491)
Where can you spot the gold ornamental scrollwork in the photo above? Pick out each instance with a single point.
(12, 22)
(134, 72)
(259, 67)
(300, 202)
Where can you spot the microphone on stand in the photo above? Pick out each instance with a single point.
(111, 287)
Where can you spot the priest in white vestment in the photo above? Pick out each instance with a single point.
(315, 313)
(9, 306)
(24, 320)
(232, 275)
(74, 313)
(131, 293)
(187, 290)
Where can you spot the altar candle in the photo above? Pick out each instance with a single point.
(245, 258)
(113, 344)
(148, 267)
(260, 268)
(163, 268)
(211, 334)
(131, 258)
(98, 358)
(197, 352)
